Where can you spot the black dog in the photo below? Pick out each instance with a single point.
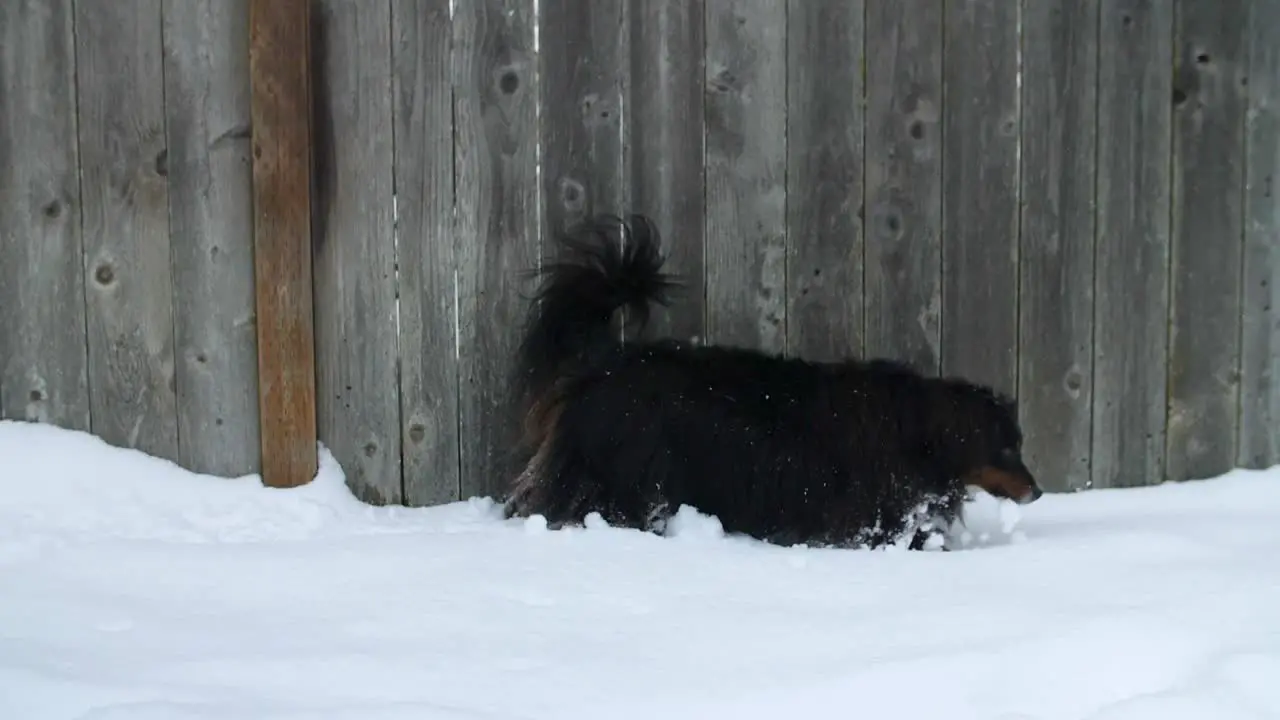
(847, 454)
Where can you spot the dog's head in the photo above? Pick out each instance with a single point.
(980, 442)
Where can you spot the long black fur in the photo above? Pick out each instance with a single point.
(850, 453)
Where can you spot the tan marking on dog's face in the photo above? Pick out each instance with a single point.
(1004, 484)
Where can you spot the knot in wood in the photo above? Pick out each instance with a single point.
(104, 274)
(509, 82)
(417, 432)
(724, 81)
(1073, 381)
(572, 194)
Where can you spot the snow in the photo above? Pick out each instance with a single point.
(133, 590)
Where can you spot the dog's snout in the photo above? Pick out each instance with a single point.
(1032, 495)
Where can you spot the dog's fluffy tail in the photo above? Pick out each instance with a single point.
(607, 264)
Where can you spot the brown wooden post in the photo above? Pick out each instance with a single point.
(279, 57)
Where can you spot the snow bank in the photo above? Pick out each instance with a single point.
(133, 590)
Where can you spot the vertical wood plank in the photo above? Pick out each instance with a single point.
(665, 148)
(904, 182)
(1059, 124)
(1208, 216)
(280, 103)
(357, 349)
(1132, 255)
(582, 80)
(206, 63)
(495, 111)
(746, 158)
(43, 357)
(125, 211)
(424, 197)
(824, 131)
(1260, 334)
(980, 202)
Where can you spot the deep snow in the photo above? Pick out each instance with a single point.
(131, 589)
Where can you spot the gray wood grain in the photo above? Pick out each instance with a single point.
(746, 164)
(422, 66)
(1207, 236)
(206, 66)
(1059, 146)
(497, 230)
(583, 80)
(1131, 280)
(43, 356)
(824, 261)
(904, 182)
(1260, 333)
(980, 204)
(125, 216)
(664, 149)
(358, 403)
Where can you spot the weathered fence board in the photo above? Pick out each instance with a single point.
(585, 61)
(1260, 333)
(125, 209)
(43, 360)
(664, 148)
(824, 271)
(280, 103)
(904, 181)
(206, 68)
(1208, 172)
(423, 47)
(1071, 201)
(496, 146)
(1055, 355)
(746, 165)
(357, 343)
(980, 205)
(1131, 286)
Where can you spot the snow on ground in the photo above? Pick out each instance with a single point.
(132, 590)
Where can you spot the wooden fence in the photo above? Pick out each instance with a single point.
(1069, 199)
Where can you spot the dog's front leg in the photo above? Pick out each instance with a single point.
(930, 538)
